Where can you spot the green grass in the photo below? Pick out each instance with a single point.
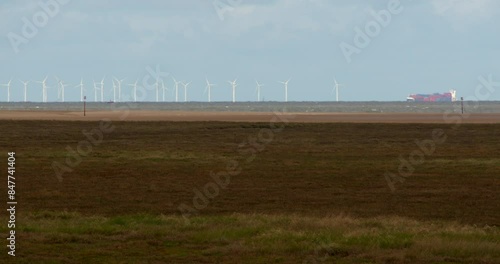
(64, 237)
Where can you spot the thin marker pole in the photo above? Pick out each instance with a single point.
(84, 105)
(462, 105)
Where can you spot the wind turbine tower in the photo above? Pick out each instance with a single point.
(163, 89)
(209, 90)
(81, 89)
(44, 89)
(157, 86)
(233, 85)
(25, 89)
(114, 90)
(286, 89)
(95, 90)
(58, 88)
(8, 89)
(176, 89)
(185, 90)
(258, 90)
(102, 89)
(135, 89)
(337, 85)
(119, 82)
(62, 89)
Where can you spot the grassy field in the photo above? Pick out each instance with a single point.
(310, 192)
(237, 238)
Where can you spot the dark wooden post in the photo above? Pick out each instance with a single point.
(462, 105)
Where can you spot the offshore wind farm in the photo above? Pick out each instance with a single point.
(167, 93)
(103, 91)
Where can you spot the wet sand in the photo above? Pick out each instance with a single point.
(137, 115)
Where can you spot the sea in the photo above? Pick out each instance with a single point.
(297, 107)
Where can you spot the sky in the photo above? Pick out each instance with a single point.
(379, 50)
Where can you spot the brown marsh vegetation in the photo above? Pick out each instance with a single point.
(314, 190)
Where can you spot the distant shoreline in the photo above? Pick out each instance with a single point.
(294, 117)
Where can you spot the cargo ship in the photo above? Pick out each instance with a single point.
(450, 96)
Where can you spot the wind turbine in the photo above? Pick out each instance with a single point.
(157, 86)
(61, 85)
(286, 89)
(258, 90)
(337, 85)
(209, 89)
(95, 91)
(60, 91)
(25, 88)
(163, 89)
(44, 89)
(119, 88)
(114, 90)
(81, 89)
(176, 89)
(233, 85)
(185, 90)
(8, 89)
(135, 89)
(102, 89)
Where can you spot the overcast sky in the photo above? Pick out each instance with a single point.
(426, 46)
